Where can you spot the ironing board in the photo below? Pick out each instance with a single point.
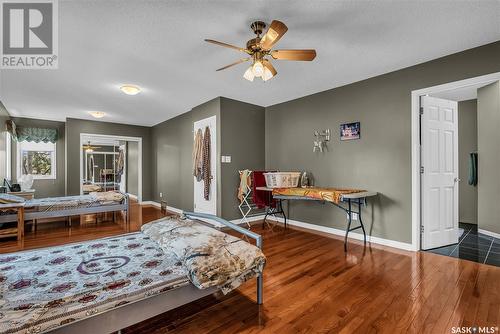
(348, 202)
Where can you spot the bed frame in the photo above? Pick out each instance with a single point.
(34, 215)
(129, 314)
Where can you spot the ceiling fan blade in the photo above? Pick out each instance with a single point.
(276, 30)
(242, 60)
(306, 55)
(225, 45)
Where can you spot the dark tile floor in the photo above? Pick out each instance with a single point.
(473, 246)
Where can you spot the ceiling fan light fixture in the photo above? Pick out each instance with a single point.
(258, 68)
(260, 47)
(267, 74)
(249, 74)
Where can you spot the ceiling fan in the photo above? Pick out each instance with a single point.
(260, 47)
(90, 148)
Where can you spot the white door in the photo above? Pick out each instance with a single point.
(439, 155)
(200, 203)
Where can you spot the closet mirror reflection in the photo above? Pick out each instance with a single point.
(109, 164)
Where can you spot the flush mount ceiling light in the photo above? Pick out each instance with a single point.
(260, 47)
(130, 89)
(97, 114)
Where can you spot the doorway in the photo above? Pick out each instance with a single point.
(205, 199)
(444, 188)
(111, 163)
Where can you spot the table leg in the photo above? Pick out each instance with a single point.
(20, 223)
(283, 211)
(349, 212)
(361, 221)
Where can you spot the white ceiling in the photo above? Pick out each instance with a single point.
(461, 94)
(159, 46)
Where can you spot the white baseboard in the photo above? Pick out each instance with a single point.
(153, 203)
(489, 233)
(249, 219)
(158, 205)
(352, 235)
(319, 228)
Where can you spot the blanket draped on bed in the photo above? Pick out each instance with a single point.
(211, 257)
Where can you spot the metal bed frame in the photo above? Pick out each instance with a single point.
(358, 199)
(129, 314)
(33, 215)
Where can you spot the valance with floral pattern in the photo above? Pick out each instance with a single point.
(21, 133)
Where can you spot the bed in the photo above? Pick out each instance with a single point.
(90, 188)
(67, 206)
(107, 284)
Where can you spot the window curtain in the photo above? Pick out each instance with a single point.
(31, 134)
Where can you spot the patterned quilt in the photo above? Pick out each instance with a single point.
(211, 257)
(45, 288)
(333, 195)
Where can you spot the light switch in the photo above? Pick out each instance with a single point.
(228, 158)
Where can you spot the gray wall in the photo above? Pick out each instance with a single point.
(467, 142)
(45, 188)
(240, 134)
(172, 142)
(488, 112)
(132, 167)
(243, 138)
(381, 159)
(74, 127)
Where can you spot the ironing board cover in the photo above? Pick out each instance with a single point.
(324, 194)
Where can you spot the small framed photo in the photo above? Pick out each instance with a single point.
(350, 131)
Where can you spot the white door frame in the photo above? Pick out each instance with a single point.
(124, 138)
(415, 144)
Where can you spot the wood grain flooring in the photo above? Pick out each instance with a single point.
(311, 286)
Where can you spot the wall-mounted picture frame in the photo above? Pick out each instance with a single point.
(350, 131)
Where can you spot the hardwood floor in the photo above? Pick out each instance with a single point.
(53, 233)
(310, 285)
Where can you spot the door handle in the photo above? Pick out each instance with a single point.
(457, 180)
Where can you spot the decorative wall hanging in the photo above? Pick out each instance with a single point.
(321, 138)
(350, 131)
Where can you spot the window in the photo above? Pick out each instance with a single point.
(37, 159)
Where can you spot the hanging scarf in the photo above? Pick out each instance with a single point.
(198, 155)
(473, 169)
(207, 175)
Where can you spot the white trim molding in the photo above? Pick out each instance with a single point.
(158, 205)
(312, 227)
(352, 235)
(249, 219)
(489, 233)
(415, 144)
